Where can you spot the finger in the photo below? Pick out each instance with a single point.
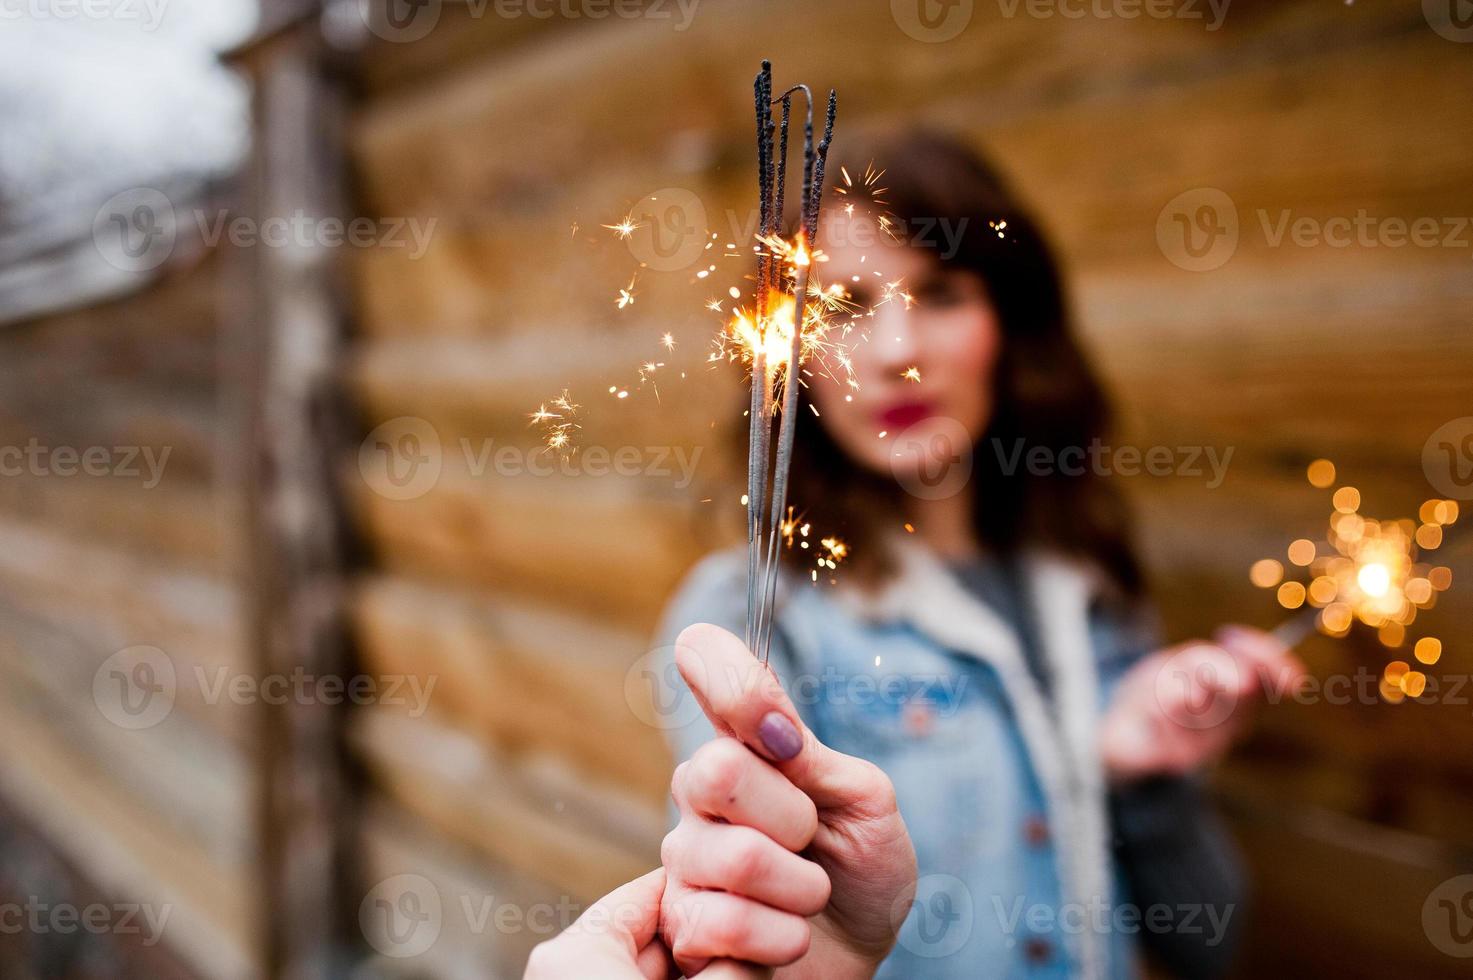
(743, 699)
(747, 863)
(732, 970)
(1269, 658)
(654, 962)
(705, 925)
(726, 780)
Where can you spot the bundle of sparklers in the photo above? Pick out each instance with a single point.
(783, 269)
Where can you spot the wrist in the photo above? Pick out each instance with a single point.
(831, 958)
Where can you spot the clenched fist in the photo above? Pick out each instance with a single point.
(787, 853)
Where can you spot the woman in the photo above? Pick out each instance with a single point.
(989, 646)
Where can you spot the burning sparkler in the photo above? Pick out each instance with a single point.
(1367, 571)
(775, 337)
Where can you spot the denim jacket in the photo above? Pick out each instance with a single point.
(1000, 787)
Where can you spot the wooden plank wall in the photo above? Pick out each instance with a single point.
(93, 564)
(530, 597)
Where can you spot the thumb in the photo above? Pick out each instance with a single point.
(743, 699)
(628, 915)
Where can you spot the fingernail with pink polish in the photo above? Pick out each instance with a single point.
(779, 736)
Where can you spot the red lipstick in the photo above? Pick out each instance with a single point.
(903, 415)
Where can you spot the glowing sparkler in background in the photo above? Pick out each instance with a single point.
(775, 334)
(1366, 571)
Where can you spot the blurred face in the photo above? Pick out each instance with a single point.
(950, 336)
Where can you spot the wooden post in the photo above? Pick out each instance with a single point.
(288, 351)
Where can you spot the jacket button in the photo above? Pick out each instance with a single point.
(920, 720)
(1037, 950)
(1035, 831)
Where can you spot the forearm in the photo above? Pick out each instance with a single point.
(1176, 853)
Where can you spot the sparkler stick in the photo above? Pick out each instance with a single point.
(764, 513)
(1297, 628)
(758, 427)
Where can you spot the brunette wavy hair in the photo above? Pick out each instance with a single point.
(1045, 391)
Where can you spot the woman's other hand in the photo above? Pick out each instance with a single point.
(787, 852)
(1181, 708)
(615, 938)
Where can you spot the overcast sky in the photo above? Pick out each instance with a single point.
(98, 96)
